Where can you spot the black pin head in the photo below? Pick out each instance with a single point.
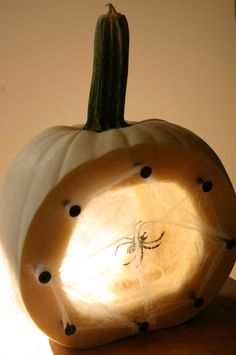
(70, 329)
(230, 244)
(143, 327)
(74, 210)
(44, 277)
(207, 186)
(145, 172)
(198, 303)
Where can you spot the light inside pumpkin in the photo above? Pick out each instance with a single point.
(130, 250)
(140, 253)
(126, 238)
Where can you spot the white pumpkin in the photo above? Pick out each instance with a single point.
(119, 231)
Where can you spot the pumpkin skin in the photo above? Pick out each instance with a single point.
(38, 235)
(139, 180)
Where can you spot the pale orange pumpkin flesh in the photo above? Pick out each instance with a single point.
(158, 291)
(112, 229)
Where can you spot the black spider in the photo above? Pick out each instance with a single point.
(138, 243)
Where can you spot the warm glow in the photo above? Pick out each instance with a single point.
(91, 264)
(105, 256)
(87, 269)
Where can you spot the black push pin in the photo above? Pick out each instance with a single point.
(70, 329)
(197, 302)
(44, 277)
(73, 210)
(206, 185)
(145, 172)
(230, 243)
(143, 327)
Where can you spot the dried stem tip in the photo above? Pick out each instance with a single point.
(111, 9)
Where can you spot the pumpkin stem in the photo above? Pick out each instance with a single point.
(110, 71)
(112, 9)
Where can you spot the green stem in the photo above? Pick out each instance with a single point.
(110, 71)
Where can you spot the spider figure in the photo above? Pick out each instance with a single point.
(138, 243)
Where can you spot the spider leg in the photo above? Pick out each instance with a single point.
(125, 264)
(141, 257)
(125, 238)
(153, 247)
(130, 261)
(120, 245)
(150, 244)
(131, 256)
(157, 240)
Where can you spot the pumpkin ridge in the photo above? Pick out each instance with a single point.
(42, 141)
(67, 154)
(149, 137)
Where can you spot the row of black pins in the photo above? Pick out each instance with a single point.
(75, 210)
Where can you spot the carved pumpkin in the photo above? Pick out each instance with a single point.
(116, 228)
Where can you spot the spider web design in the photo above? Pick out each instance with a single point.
(134, 246)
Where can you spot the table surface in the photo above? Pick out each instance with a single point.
(211, 332)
